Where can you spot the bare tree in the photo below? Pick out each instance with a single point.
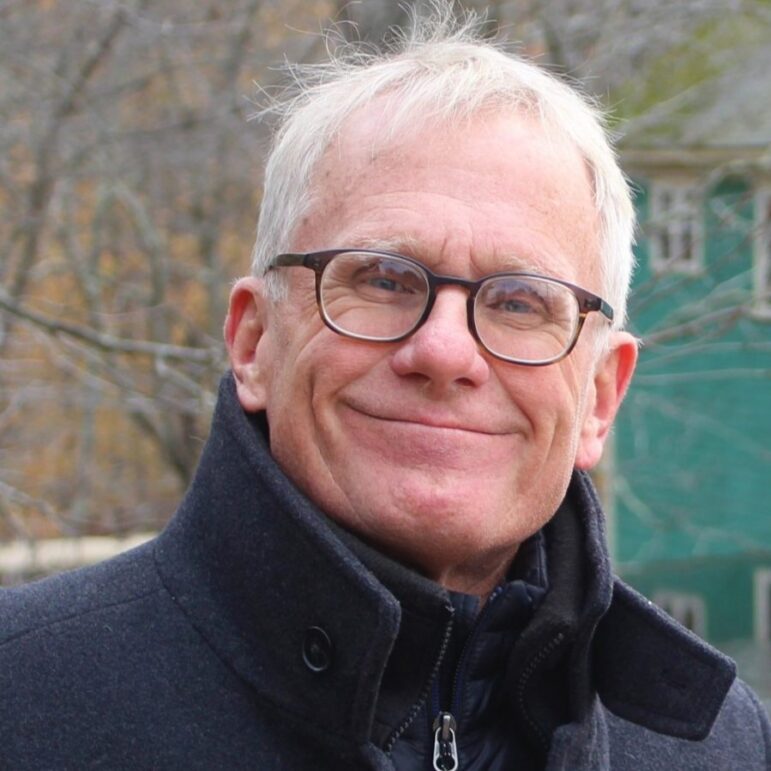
(130, 183)
(130, 177)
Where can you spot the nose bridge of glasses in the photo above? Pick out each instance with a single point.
(437, 282)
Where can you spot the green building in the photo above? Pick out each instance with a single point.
(689, 472)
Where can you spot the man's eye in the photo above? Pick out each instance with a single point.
(387, 284)
(382, 280)
(519, 305)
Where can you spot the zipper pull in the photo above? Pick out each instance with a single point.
(445, 748)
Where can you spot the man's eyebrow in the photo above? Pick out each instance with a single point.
(518, 264)
(410, 247)
(407, 246)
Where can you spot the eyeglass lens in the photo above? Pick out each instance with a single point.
(378, 297)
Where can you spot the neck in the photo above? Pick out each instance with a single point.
(473, 579)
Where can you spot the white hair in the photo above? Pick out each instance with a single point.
(443, 70)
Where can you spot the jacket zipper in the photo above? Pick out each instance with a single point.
(445, 747)
(426, 692)
(445, 725)
(532, 665)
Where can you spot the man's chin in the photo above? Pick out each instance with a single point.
(415, 505)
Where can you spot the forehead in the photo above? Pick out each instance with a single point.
(496, 191)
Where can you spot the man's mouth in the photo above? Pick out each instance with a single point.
(429, 419)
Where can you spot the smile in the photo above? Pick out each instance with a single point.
(429, 421)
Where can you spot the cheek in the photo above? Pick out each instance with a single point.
(313, 370)
(284, 350)
(579, 402)
(551, 399)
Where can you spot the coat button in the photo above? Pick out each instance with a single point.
(317, 649)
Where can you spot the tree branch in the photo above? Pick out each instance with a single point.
(104, 341)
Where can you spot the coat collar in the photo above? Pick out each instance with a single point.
(616, 646)
(254, 566)
(656, 674)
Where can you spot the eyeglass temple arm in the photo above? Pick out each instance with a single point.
(287, 260)
(605, 309)
(592, 302)
(316, 261)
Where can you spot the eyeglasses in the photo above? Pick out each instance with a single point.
(377, 296)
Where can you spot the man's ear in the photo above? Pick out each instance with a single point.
(245, 328)
(611, 379)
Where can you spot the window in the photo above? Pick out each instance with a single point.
(762, 249)
(674, 228)
(688, 609)
(763, 605)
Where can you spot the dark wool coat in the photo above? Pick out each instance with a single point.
(250, 635)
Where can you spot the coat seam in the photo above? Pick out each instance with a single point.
(71, 617)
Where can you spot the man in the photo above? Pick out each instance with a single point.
(391, 555)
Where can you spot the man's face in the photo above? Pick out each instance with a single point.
(429, 448)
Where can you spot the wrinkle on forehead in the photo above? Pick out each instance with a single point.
(436, 163)
(412, 247)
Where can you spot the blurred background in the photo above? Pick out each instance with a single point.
(130, 179)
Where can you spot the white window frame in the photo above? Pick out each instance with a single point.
(689, 610)
(762, 253)
(676, 231)
(762, 605)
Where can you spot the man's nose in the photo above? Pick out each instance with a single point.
(443, 351)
